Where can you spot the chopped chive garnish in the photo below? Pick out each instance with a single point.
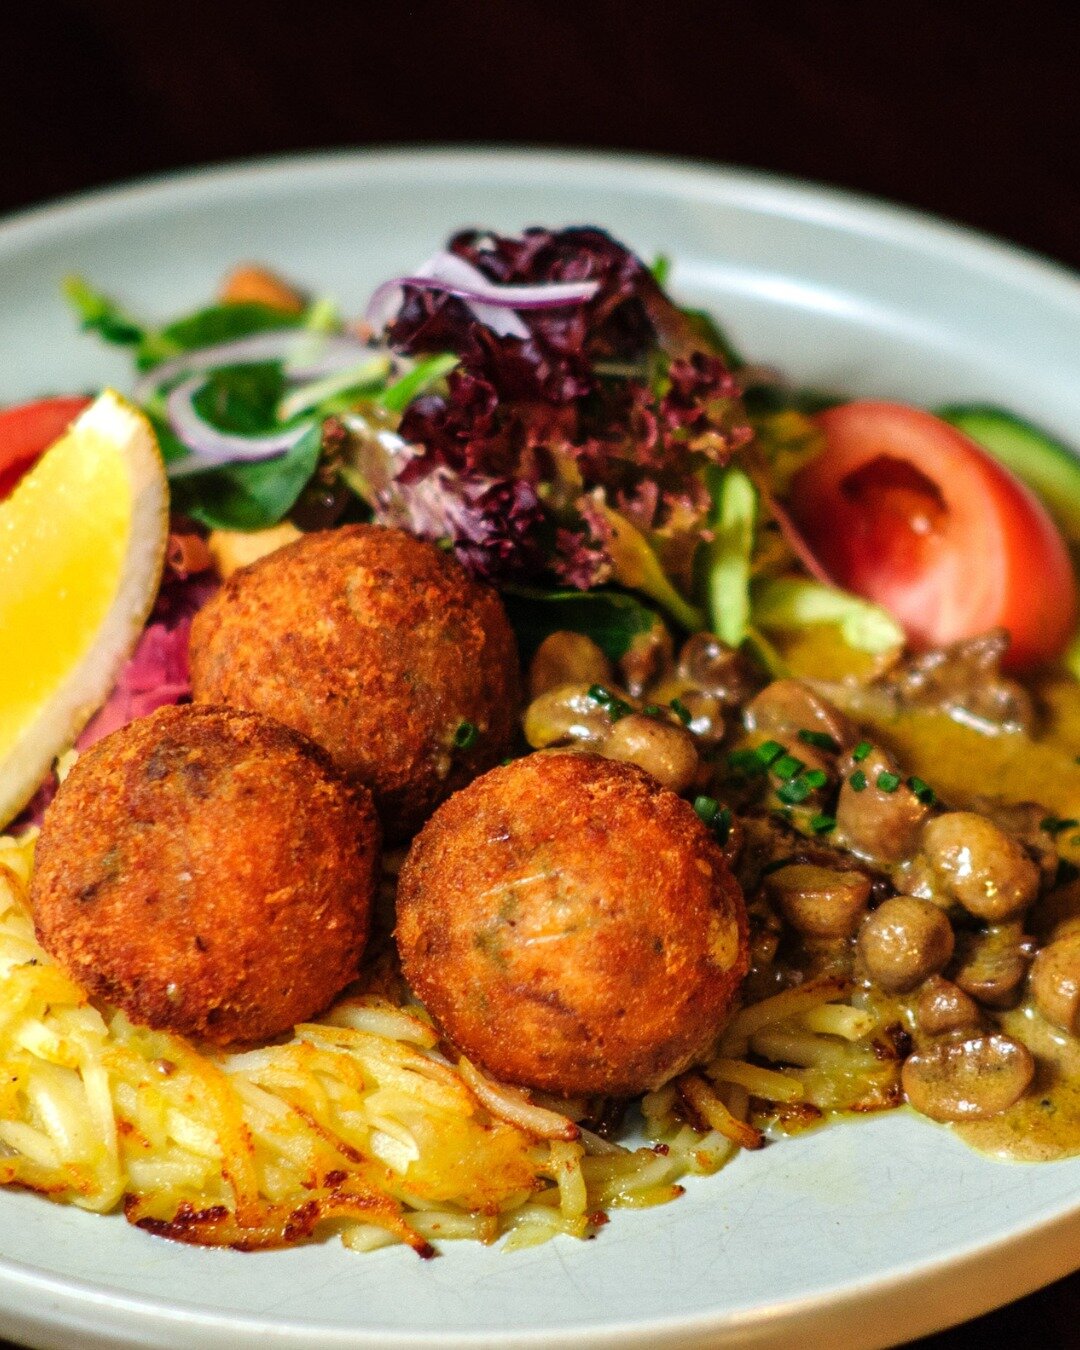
(715, 816)
(504, 762)
(861, 751)
(681, 711)
(1056, 824)
(1075, 840)
(858, 781)
(651, 710)
(822, 824)
(708, 808)
(923, 791)
(798, 788)
(769, 751)
(795, 790)
(787, 767)
(746, 761)
(888, 782)
(822, 740)
(466, 736)
(614, 706)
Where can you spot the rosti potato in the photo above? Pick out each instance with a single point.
(572, 926)
(380, 648)
(210, 872)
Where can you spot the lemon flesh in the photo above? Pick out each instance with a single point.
(82, 544)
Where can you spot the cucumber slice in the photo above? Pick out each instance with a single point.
(1047, 466)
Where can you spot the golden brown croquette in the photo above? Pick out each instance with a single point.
(572, 926)
(380, 648)
(210, 872)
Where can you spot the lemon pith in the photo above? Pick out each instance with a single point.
(82, 542)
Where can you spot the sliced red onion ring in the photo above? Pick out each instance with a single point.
(491, 303)
(211, 448)
(307, 355)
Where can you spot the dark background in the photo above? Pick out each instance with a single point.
(969, 110)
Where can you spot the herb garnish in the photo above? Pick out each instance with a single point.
(715, 816)
(821, 740)
(614, 706)
(466, 736)
(787, 767)
(798, 788)
(681, 711)
(1056, 824)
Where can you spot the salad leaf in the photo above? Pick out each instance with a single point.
(786, 603)
(338, 392)
(661, 269)
(212, 325)
(250, 496)
(397, 396)
(787, 441)
(322, 316)
(769, 397)
(611, 618)
(635, 565)
(204, 328)
(728, 554)
(711, 337)
(242, 399)
(99, 314)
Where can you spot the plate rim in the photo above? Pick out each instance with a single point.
(774, 194)
(814, 1315)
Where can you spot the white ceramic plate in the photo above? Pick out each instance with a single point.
(860, 1235)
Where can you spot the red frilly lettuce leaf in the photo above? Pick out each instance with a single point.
(612, 396)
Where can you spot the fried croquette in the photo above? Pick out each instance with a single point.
(380, 648)
(208, 871)
(572, 926)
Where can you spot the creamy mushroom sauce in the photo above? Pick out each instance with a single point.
(1045, 1123)
(971, 764)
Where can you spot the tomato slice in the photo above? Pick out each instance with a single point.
(905, 510)
(28, 430)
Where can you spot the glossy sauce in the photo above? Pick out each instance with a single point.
(965, 763)
(1045, 1124)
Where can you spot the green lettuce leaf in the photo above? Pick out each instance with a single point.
(611, 618)
(246, 496)
(788, 603)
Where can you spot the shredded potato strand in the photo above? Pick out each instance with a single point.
(358, 1122)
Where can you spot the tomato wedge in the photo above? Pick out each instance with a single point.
(28, 430)
(905, 510)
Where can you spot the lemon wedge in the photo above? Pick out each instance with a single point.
(82, 545)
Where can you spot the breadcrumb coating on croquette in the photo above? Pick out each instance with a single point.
(210, 872)
(379, 647)
(573, 926)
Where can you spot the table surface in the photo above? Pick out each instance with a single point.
(970, 111)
